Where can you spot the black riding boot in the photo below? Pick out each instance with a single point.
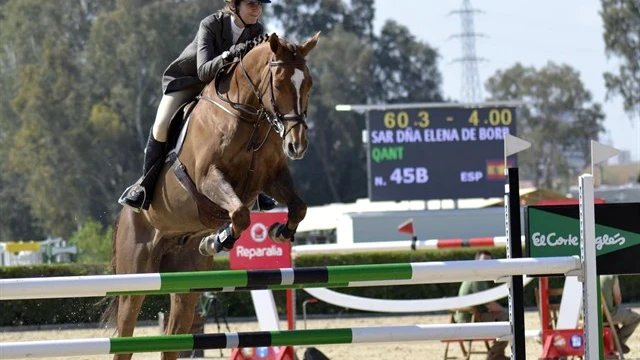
(265, 203)
(139, 195)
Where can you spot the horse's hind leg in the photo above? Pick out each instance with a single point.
(132, 243)
(128, 310)
(183, 306)
(183, 309)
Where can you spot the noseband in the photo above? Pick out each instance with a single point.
(276, 119)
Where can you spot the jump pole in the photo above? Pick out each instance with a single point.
(337, 276)
(401, 245)
(188, 342)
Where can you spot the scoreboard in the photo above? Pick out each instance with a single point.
(438, 152)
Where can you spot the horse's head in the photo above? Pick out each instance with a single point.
(277, 87)
(289, 87)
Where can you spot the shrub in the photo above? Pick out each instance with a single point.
(93, 242)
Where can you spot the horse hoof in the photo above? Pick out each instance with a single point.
(280, 233)
(206, 248)
(211, 245)
(222, 240)
(273, 232)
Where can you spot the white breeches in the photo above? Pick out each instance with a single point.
(169, 104)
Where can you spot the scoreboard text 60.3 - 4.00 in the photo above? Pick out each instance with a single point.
(438, 152)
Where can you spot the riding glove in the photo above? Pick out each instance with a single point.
(240, 49)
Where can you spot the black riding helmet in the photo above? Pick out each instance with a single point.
(236, 4)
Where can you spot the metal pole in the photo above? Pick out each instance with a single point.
(304, 309)
(514, 251)
(367, 148)
(589, 278)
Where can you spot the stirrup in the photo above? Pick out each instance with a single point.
(131, 197)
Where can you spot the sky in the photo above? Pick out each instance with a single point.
(530, 32)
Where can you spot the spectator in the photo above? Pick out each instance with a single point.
(487, 312)
(624, 316)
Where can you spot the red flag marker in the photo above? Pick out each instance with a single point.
(407, 227)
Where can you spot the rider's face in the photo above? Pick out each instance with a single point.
(250, 11)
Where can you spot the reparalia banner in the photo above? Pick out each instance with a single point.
(255, 249)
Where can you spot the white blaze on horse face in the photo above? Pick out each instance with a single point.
(296, 79)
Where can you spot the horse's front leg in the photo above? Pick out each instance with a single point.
(283, 190)
(217, 189)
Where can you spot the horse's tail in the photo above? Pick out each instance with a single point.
(108, 318)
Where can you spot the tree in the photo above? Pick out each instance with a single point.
(42, 109)
(334, 168)
(406, 69)
(558, 116)
(16, 222)
(301, 19)
(621, 20)
(44, 147)
(359, 18)
(94, 243)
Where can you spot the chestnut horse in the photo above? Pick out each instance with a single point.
(234, 146)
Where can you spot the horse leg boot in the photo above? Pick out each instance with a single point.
(225, 238)
(221, 240)
(284, 191)
(139, 195)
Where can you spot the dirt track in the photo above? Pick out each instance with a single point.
(409, 350)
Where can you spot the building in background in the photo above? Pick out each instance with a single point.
(366, 221)
(51, 250)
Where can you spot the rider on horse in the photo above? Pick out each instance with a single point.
(221, 37)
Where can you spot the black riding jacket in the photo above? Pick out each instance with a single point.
(199, 61)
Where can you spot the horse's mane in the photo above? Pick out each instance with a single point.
(260, 40)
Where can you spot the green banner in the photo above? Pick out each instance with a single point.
(555, 231)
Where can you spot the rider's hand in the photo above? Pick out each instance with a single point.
(240, 49)
(235, 51)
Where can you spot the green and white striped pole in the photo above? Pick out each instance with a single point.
(337, 276)
(347, 276)
(174, 343)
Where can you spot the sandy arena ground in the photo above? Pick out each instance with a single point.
(408, 350)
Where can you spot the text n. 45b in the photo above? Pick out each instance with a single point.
(410, 175)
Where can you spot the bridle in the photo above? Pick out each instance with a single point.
(276, 119)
